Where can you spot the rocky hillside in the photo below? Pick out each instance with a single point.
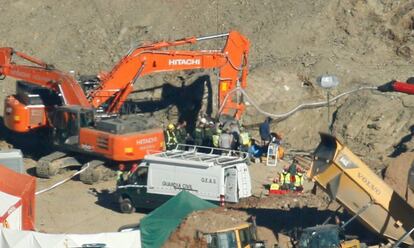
(362, 42)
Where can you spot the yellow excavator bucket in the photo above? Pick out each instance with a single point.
(357, 188)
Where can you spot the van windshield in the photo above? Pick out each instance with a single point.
(139, 177)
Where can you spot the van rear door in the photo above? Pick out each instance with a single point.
(230, 180)
(243, 180)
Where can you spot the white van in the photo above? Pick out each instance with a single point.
(212, 174)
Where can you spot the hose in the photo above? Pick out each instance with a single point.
(295, 109)
(62, 182)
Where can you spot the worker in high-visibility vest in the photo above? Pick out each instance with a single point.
(284, 179)
(216, 136)
(120, 174)
(298, 181)
(170, 137)
(244, 141)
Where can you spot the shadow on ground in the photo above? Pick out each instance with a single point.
(33, 145)
(289, 222)
(187, 98)
(401, 147)
(109, 200)
(106, 199)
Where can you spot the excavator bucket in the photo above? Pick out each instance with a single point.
(350, 181)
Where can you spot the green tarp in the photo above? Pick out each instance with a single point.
(157, 226)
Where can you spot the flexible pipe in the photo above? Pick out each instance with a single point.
(295, 109)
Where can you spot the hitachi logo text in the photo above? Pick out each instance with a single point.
(184, 62)
(147, 141)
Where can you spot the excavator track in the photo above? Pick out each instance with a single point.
(52, 164)
(56, 162)
(95, 172)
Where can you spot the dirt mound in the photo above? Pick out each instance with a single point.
(276, 216)
(206, 221)
(285, 202)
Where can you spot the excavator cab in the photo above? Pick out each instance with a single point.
(67, 122)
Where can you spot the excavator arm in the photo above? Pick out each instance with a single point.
(43, 75)
(115, 86)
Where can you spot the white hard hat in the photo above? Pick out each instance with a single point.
(203, 120)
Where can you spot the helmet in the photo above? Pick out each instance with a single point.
(170, 126)
(203, 120)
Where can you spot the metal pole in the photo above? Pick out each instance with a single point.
(329, 112)
(212, 37)
(357, 214)
(402, 238)
(330, 217)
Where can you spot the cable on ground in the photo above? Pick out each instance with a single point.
(62, 182)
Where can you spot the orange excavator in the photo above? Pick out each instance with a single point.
(75, 112)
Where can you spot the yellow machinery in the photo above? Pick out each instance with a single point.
(351, 182)
(242, 236)
(325, 236)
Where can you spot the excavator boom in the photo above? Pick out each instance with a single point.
(43, 75)
(231, 61)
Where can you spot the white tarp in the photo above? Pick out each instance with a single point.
(24, 239)
(10, 211)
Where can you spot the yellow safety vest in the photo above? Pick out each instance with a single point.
(216, 139)
(284, 178)
(171, 139)
(120, 175)
(274, 186)
(245, 138)
(298, 180)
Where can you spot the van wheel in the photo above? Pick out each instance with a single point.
(126, 206)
